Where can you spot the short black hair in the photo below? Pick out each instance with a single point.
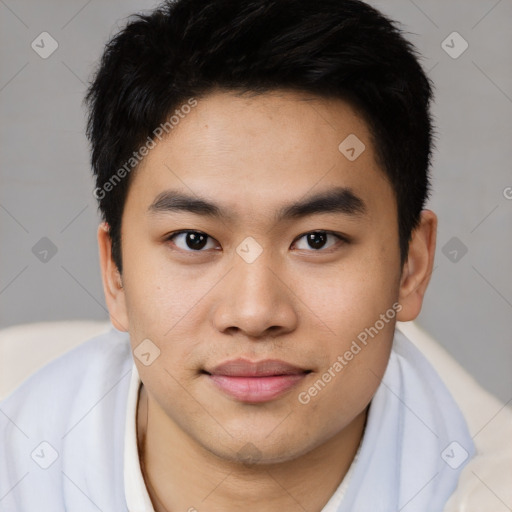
(185, 49)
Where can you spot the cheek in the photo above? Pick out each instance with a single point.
(164, 310)
(347, 383)
(152, 310)
(351, 297)
(158, 297)
(352, 302)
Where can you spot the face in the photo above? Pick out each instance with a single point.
(256, 256)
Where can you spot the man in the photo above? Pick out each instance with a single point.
(261, 168)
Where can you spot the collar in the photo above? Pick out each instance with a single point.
(137, 496)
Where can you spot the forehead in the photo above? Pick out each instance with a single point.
(253, 153)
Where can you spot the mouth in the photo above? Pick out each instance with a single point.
(255, 382)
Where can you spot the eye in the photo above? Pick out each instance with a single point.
(319, 240)
(191, 241)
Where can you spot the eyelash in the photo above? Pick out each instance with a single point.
(341, 238)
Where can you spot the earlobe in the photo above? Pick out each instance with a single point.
(112, 281)
(418, 267)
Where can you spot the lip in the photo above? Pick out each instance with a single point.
(256, 382)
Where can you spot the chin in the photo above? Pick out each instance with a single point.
(257, 450)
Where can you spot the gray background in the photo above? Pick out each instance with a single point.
(46, 184)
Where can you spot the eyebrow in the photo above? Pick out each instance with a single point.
(337, 200)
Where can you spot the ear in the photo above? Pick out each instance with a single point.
(418, 267)
(112, 282)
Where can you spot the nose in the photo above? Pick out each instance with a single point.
(255, 300)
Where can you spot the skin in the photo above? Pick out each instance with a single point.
(295, 302)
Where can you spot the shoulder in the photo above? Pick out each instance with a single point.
(65, 374)
(63, 413)
(425, 381)
(51, 397)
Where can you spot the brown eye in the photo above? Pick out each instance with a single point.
(191, 240)
(318, 240)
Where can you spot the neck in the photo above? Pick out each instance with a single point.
(181, 475)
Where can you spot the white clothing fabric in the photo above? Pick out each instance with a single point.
(137, 497)
(68, 437)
